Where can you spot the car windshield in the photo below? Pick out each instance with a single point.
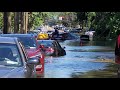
(28, 42)
(9, 55)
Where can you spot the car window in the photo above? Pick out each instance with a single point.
(28, 41)
(24, 52)
(9, 55)
(58, 45)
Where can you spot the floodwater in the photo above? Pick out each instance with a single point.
(79, 58)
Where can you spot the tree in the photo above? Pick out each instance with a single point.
(16, 22)
(7, 23)
(35, 19)
(106, 24)
(1, 20)
(24, 22)
(81, 18)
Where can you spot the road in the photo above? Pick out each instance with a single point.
(80, 58)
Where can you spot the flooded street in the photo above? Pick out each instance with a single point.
(80, 58)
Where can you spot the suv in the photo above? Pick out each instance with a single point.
(33, 49)
(14, 62)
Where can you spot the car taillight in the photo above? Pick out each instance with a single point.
(51, 49)
(42, 46)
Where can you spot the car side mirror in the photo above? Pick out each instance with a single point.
(33, 61)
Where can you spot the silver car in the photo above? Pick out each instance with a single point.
(14, 62)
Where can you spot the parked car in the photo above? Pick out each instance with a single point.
(33, 49)
(60, 36)
(77, 30)
(52, 47)
(34, 32)
(84, 38)
(71, 36)
(14, 62)
(90, 33)
(50, 34)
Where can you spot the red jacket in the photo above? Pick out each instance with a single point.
(117, 50)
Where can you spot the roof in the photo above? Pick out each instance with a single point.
(46, 40)
(17, 35)
(8, 40)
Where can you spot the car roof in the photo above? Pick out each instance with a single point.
(17, 35)
(8, 40)
(47, 40)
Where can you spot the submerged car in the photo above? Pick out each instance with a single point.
(52, 47)
(71, 36)
(14, 62)
(84, 38)
(34, 32)
(60, 36)
(33, 49)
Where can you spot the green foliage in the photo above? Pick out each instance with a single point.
(107, 24)
(90, 18)
(81, 16)
(35, 19)
(1, 20)
(39, 18)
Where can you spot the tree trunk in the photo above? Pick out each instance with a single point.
(7, 22)
(26, 22)
(22, 15)
(16, 22)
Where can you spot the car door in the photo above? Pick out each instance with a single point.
(29, 71)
